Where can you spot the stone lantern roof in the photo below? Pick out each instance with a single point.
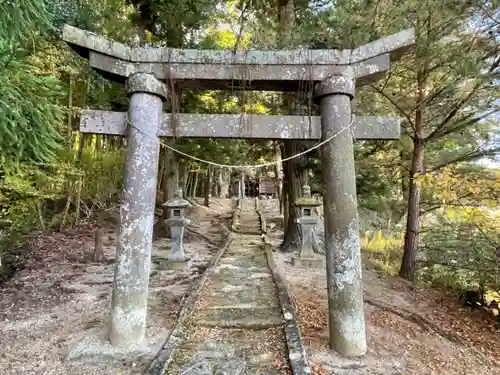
(177, 201)
(307, 200)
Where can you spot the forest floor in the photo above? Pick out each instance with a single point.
(54, 312)
(410, 330)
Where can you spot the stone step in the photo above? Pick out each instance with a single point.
(232, 352)
(243, 254)
(247, 225)
(225, 300)
(250, 292)
(248, 231)
(245, 247)
(212, 350)
(223, 365)
(254, 318)
(258, 260)
(245, 250)
(240, 267)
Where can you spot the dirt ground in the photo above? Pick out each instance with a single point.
(54, 312)
(410, 331)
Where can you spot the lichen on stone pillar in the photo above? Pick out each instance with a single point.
(133, 254)
(342, 242)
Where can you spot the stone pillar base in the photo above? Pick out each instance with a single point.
(176, 264)
(317, 263)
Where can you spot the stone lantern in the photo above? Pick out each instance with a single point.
(307, 221)
(177, 222)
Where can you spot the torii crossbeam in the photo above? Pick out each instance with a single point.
(213, 70)
(193, 125)
(335, 74)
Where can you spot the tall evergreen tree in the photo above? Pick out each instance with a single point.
(29, 110)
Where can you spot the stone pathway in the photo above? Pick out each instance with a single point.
(237, 326)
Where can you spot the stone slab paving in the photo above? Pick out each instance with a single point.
(237, 327)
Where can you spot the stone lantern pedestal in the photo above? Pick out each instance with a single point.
(177, 222)
(307, 221)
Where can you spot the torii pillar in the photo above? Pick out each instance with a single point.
(346, 318)
(133, 252)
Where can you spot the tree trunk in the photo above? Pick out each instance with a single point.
(170, 177)
(98, 253)
(296, 174)
(188, 178)
(194, 184)
(78, 200)
(208, 186)
(284, 198)
(412, 235)
(286, 18)
(82, 136)
(217, 187)
(187, 182)
(98, 144)
(70, 116)
(404, 176)
(214, 187)
(169, 167)
(69, 184)
(278, 179)
(161, 170)
(294, 177)
(184, 177)
(242, 185)
(225, 183)
(81, 146)
(66, 208)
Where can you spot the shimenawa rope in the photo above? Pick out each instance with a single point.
(254, 166)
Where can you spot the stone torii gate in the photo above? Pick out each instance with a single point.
(335, 75)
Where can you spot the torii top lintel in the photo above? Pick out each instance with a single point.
(218, 69)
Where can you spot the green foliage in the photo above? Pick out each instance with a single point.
(382, 250)
(25, 197)
(21, 21)
(29, 110)
(102, 177)
(461, 247)
(29, 114)
(30, 194)
(171, 21)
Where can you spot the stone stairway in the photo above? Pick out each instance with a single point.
(237, 326)
(247, 220)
